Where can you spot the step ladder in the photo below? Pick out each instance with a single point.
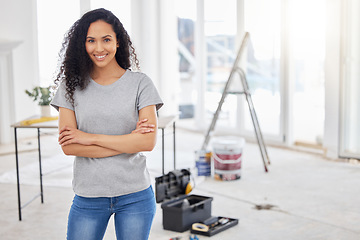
(237, 70)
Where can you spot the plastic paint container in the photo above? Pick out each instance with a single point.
(203, 163)
(226, 157)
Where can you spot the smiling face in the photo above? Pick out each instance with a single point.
(101, 44)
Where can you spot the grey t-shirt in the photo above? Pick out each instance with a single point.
(112, 110)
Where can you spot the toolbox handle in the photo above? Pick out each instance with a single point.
(197, 207)
(179, 179)
(177, 174)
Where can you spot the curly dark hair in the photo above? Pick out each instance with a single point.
(75, 63)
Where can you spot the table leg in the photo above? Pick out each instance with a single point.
(17, 173)
(174, 145)
(40, 168)
(163, 151)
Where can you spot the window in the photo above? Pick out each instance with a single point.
(263, 64)
(186, 15)
(284, 67)
(220, 35)
(306, 68)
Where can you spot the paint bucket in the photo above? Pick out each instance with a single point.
(226, 157)
(203, 163)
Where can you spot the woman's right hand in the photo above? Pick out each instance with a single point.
(143, 127)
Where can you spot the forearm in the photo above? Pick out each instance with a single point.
(129, 143)
(91, 151)
(139, 140)
(78, 143)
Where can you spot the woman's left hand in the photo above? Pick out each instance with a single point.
(70, 135)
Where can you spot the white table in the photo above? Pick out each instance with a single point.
(38, 126)
(163, 123)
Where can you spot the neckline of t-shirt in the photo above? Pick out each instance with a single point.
(110, 85)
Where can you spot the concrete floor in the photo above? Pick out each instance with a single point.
(311, 197)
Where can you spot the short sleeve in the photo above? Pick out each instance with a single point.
(60, 100)
(148, 94)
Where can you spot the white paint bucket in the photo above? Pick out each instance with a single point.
(227, 156)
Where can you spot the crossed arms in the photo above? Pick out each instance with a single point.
(78, 143)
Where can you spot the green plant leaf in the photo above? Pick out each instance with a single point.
(42, 95)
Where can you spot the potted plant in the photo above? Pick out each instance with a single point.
(43, 96)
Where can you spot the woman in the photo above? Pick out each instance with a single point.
(100, 101)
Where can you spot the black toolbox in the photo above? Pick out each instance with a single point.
(180, 211)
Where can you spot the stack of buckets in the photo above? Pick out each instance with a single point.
(226, 157)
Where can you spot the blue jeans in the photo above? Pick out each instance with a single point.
(133, 216)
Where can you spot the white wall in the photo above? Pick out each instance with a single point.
(18, 23)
